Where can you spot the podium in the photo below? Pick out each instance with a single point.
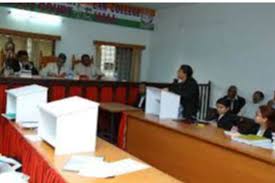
(162, 103)
(69, 125)
(22, 103)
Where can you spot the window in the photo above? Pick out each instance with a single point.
(108, 65)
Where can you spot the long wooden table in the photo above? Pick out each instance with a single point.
(196, 154)
(110, 152)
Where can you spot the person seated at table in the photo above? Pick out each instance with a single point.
(86, 69)
(224, 118)
(57, 69)
(265, 122)
(21, 64)
(250, 110)
(271, 102)
(140, 102)
(236, 102)
(187, 87)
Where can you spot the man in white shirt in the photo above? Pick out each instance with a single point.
(252, 107)
(87, 68)
(56, 69)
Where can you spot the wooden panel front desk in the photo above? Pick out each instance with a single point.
(103, 148)
(196, 154)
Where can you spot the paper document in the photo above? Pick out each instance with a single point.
(33, 138)
(77, 162)
(9, 116)
(105, 170)
(13, 177)
(13, 163)
(29, 124)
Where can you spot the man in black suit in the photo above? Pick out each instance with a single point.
(140, 102)
(21, 63)
(187, 87)
(236, 102)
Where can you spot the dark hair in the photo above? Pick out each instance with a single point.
(260, 93)
(142, 83)
(84, 55)
(187, 69)
(22, 53)
(224, 102)
(269, 113)
(62, 56)
(233, 87)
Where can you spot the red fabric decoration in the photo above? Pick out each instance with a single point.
(122, 132)
(133, 95)
(14, 144)
(75, 91)
(3, 98)
(92, 93)
(106, 94)
(58, 92)
(120, 95)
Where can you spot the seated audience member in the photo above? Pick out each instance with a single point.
(236, 102)
(21, 64)
(56, 69)
(271, 103)
(265, 122)
(249, 111)
(140, 102)
(187, 87)
(224, 118)
(87, 68)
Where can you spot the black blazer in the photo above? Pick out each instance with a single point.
(267, 133)
(226, 122)
(237, 105)
(189, 92)
(15, 66)
(138, 100)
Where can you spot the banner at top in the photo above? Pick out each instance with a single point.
(110, 13)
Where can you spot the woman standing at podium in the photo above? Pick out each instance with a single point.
(187, 87)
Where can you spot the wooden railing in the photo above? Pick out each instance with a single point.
(101, 91)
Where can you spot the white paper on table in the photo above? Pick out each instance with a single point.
(29, 124)
(33, 138)
(13, 163)
(105, 170)
(79, 161)
(13, 177)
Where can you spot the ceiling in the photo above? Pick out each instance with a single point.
(158, 6)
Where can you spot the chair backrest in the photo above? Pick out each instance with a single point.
(2, 58)
(75, 61)
(44, 60)
(204, 99)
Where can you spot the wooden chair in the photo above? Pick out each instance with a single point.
(2, 58)
(75, 61)
(44, 60)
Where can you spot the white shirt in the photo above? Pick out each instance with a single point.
(250, 109)
(52, 69)
(261, 131)
(91, 71)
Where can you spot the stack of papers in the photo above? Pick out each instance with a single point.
(76, 163)
(13, 177)
(105, 170)
(9, 116)
(11, 162)
(29, 124)
(33, 138)
(253, 140)
(96, 166)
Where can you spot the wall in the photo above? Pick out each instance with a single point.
(225, 43)
(78, 35)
